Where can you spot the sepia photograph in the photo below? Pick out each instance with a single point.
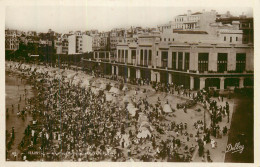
(129, 84)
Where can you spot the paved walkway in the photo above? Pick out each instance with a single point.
(217, 154)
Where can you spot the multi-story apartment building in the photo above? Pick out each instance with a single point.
(245, 24)
(31, 33)
(104, 40)
(61, 44)
(190, 21)
(79, 43)
(96, 40)
(11, 40)
(201, 58)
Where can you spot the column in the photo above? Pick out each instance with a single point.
(112, 70)
(144, 56)
(169, 78)
(128, 70)
(137, 73)
(191, 82)
(241, 82)
(117, 58)
(222, 83)
(117, 70)
(183, 60)
(124, 56)
(177, 59)
(202, 83)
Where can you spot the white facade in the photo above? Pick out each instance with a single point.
(79, 44)
(86, 43)
(72, 44)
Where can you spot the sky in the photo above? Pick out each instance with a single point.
(63, 19)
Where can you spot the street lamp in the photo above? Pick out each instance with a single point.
(205, 117)
(204, 120)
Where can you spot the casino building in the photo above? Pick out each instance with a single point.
(214, 57)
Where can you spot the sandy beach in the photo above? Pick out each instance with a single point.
(169, 128)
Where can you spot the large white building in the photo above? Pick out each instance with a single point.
(201, 53)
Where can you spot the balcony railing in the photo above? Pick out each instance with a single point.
(164, 64)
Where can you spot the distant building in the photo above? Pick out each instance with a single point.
(31, 33)
(79, 43)
(195, 51)
(245, 24)
(61, 44)
(190, 21)
(11, 40)
(96, 40)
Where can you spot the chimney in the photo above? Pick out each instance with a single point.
(189, 12)
(228, 13)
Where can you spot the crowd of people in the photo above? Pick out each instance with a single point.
(71, 123)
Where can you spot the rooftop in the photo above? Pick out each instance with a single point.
(189, 32)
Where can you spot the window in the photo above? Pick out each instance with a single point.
(169, 39)
(164, 59)
(164, 39)
(122, 56)
(236, 38)
(174, 60)
(225, 38)
(145, 57)
(180, 61)
(230, 39)
(118, 55)
(150, 58)
(187, 61)
(126, 56)
(101, 55)
(133, 53)
(240, 62)
(172, 39)
(222, 62)
(203, 59)
(141, 57)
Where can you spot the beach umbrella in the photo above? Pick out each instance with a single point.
(142, 118)
(94, 90)
(85, 83)
(109, 97)
(131, 109)
(58, 76)
(167, 108)
(127, 99)
(114, 90)
(144, 132)
(71, 75)
(103, 86)
(125, 88)
(146, 125)
(32, 69)
(76, 81)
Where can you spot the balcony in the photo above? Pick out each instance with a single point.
(164, 65)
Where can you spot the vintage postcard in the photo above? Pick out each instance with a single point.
(125, 82)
